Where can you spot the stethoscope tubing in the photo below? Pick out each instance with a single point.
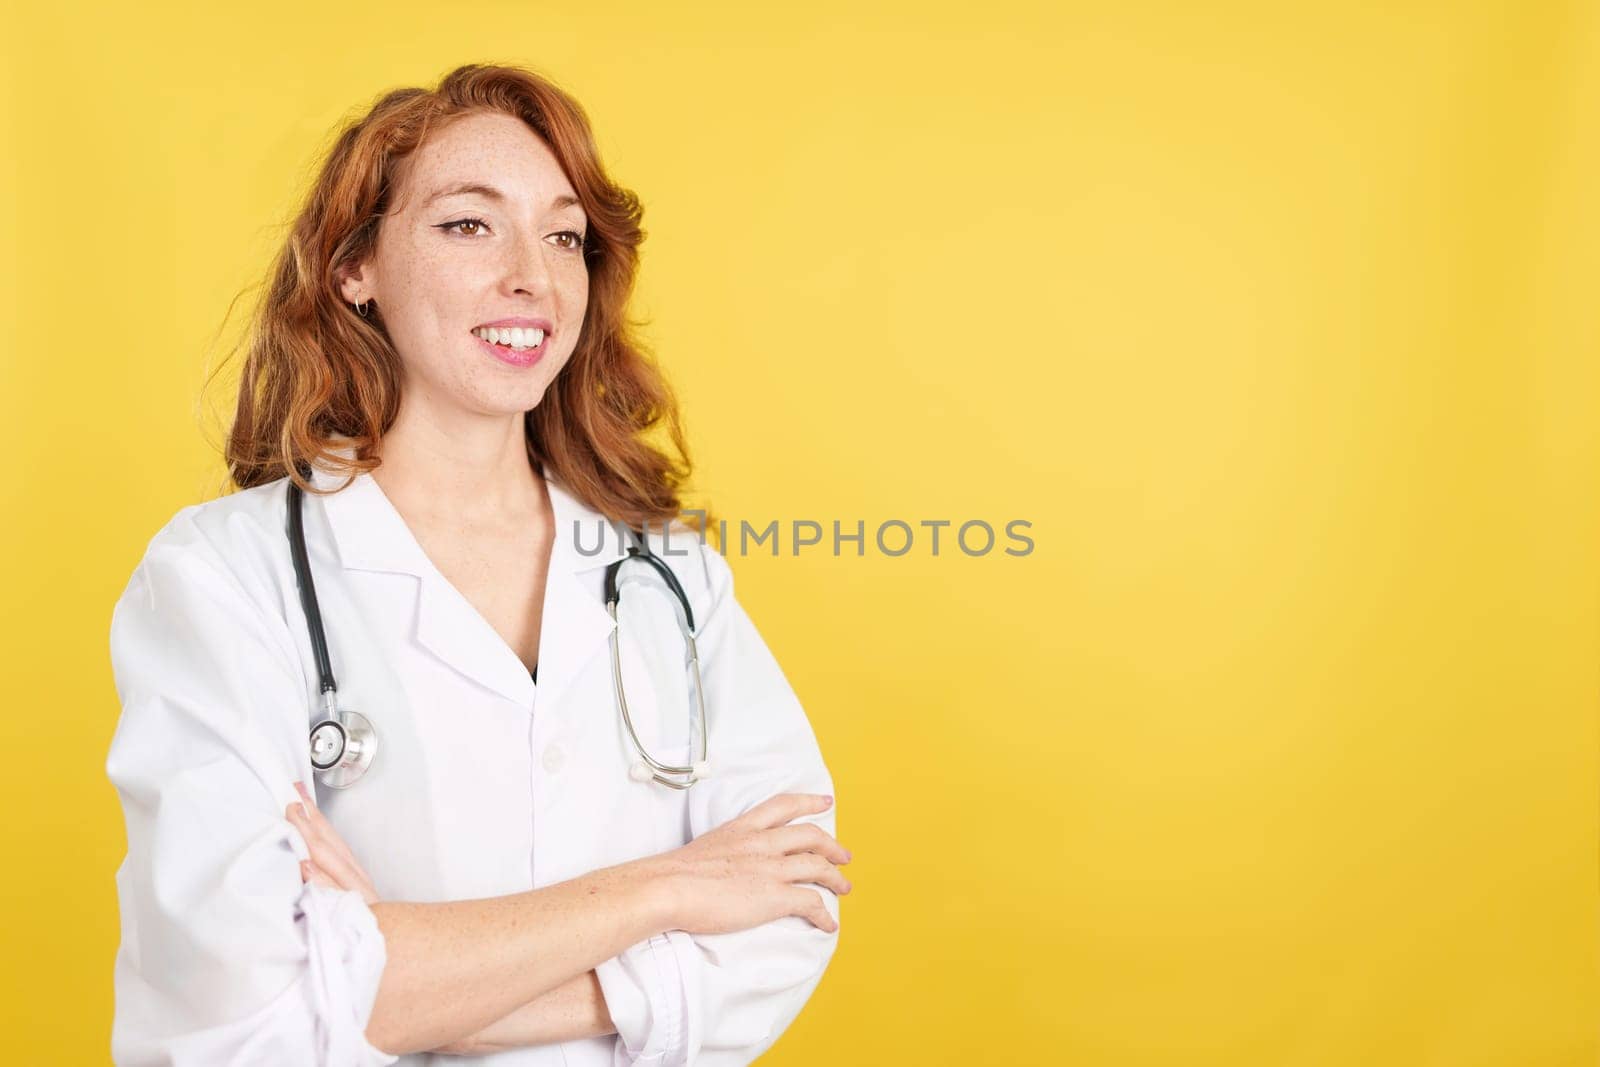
(353, 740)
(308, 590)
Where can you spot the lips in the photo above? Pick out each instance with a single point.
(513, 357)
(515, 322)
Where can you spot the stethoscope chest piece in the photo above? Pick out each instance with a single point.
(342, 748)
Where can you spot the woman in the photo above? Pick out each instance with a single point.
(496, 881)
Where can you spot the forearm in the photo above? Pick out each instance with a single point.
(454, 969)
(573, 1010)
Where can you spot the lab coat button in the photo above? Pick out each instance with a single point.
(553, 758)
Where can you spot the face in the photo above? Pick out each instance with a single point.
(451, 262)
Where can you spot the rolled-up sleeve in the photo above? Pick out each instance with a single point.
(643, 988)
(721, 999)
(226, 957)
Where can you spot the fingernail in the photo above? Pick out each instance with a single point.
(829, 799)
(300, 809)
(301, 786)
(848, 855)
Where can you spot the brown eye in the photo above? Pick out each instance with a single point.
(452, 227)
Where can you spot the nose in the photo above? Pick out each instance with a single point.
(527, 268)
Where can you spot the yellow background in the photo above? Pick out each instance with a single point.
(1277, 323)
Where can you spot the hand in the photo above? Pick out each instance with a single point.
(332, 864)
(742, 873)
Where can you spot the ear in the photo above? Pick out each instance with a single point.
(355, 285)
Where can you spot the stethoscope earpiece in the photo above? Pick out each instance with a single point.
(641, 772)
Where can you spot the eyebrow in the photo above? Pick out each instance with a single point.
(489, 192)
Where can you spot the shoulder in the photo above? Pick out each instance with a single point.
(207, 593)
(232, 538)
(700, 567)
(231, 529)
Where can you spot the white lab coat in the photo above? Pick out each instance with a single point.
(484, 782)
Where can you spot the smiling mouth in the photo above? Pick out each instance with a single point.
(515, 339)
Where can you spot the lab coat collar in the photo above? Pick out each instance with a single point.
(370, 535)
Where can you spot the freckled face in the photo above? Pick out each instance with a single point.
(445, 265)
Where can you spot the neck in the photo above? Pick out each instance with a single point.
(465, 471)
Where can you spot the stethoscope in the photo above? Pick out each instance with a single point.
(344, 743)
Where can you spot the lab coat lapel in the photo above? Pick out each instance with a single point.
(576, 625)
(371, 536)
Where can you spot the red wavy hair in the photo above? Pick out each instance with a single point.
(318, 377)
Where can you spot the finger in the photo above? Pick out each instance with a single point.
(322, 837)
(809, 906)
(320, 822)
(778, 810)
(341, 872)
(340, 876)
(340, 864)
(810, 867)
(323, 853)
(809, 837)
(320, 877)
(323, 826)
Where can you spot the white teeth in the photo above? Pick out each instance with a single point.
(512, 338)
